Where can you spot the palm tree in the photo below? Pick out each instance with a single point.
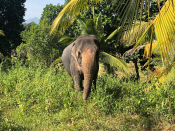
(163, 24)
(92, 26)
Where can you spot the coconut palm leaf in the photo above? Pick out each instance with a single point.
(142, 37)
(89, 26)
(156, 72)
(135, 33)
(129, 11)
(147, 49)
(164, 25)
(113, 33)
(56, 61)
(69, 14)
(113, 61)
(164, 76)
(156, 61)
(1, 33)
(66, 39)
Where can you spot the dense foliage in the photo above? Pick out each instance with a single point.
(38, 44)
(50, 12)
(34, 97)
(37, 93)
(11, 19)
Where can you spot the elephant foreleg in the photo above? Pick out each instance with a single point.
(78, 84)
(94, 81)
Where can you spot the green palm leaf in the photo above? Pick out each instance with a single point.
(1, 33)
(164, 25)
(113, 33)
(113, 61)
(69, 14)
(66, 39)
(89, 26)
(136, 32)
(56, 61)
(166, 74)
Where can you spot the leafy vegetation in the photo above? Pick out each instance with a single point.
(124, 8)
(50, 12)
(11, 19)
(38, 44)
(34, 97)
(36, 93)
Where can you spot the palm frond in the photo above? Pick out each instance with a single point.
(82, 23)
(69, 14)
(99, 25)
(56, 61)
(156, 72)
(147, 49)
(113, 61)
(113, 33)
(153, 61)
(2, 33)
(142, 37)
(88, 27)
(136, 32)
(1, 56)
(164, 74)
(129, 10)
(66, 39)
(164, 24)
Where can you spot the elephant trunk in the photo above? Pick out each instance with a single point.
(89, 65)
(87, 85)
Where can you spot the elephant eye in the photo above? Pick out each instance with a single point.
(79, 53)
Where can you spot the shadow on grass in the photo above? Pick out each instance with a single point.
(141, 123)
(9, 126)
(13, 128)
(115, 92)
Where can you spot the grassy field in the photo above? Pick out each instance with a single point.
(34, 97)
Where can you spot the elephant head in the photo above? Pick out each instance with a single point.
(84, 63)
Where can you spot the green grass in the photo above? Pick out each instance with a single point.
(34, 97)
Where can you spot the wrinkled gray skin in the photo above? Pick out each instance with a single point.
(81, 62)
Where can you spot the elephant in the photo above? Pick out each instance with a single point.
(81, 61)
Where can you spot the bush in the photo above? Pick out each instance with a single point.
(38, 44)
(33, 97)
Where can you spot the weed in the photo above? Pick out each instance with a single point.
(33, 97)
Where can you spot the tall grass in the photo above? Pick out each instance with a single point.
(34, 97)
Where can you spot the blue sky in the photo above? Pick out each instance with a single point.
(35, 7)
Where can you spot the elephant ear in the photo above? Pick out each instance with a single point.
(73, 53)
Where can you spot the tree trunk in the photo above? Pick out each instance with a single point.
(136, 69)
